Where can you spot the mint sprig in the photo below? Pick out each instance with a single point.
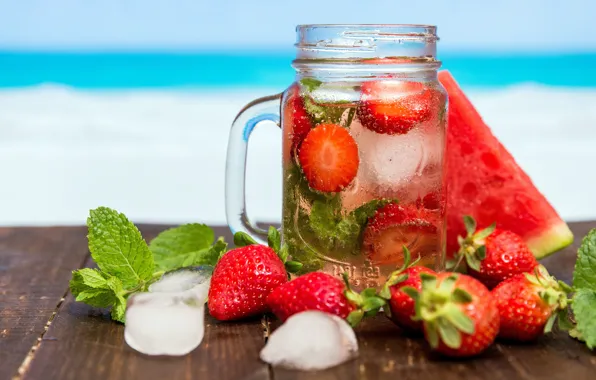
(336, 231)
(583, 303)
(584, 275)
(127, 264)
(98, 289)
(324, 113)
(186, 245)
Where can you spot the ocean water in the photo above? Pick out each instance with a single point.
(147, 134)
(265, 69)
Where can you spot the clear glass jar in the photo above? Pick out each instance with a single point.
(364, 129)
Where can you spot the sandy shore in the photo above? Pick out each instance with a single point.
(160, 156)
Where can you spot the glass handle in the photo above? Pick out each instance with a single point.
(263, 109)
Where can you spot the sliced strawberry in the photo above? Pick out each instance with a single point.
(394, 226)
(329, 158)
(394, 107)
(296, 122)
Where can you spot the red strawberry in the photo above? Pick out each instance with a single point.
(432, 201)
(329, 158)
(323, 292)
(459, 314)
(493, 255)
(401, 306)
(395, 107)
(529, 304)
(296, 120)
(242, 280)
(393, 226)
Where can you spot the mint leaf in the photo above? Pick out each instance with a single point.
(90, 286)
(311, 84)
(119, 307)
(118, 248)
(100, 290)
(350, 118)
(584, 310)
(324, 218)
(336, 231)
(585, 266)
(207, 256)
(295, 221)
(171, 247)
(87, 278)
(323, 113)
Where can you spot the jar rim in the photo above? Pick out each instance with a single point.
(315, 41)
(302, 26)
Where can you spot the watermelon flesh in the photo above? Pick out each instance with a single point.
(484, 181)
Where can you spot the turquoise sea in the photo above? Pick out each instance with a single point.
(266, 69)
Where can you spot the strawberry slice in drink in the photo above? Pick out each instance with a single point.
(395, 107)
(297, 122)
(394, 226)
(329, 158)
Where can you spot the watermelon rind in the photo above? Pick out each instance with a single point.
(550, 241)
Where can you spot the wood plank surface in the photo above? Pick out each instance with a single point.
(83, 343)
(35, 266)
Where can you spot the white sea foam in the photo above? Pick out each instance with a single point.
(159, 156)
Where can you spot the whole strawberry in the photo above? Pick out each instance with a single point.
(401, 308)
(460, 316)
(529, 304)
(323, 292)
(493, 255)
(243, 277)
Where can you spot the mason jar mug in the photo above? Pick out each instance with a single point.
(364, 129)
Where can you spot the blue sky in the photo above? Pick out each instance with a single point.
(194, 24)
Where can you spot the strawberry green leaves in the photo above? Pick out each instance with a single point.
(583, 303)
(368, 303)
(472, 247)
(242, 239)
(439, 305)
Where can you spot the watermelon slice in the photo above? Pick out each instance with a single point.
(484, 181)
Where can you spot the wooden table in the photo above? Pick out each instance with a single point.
(45, 335)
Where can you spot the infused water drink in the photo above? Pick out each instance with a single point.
(363, 175)
(363, 134)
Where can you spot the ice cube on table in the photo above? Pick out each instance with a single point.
(169, 319)
(164, 324)
(311, 340)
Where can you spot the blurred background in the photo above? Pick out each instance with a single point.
(128, 103)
